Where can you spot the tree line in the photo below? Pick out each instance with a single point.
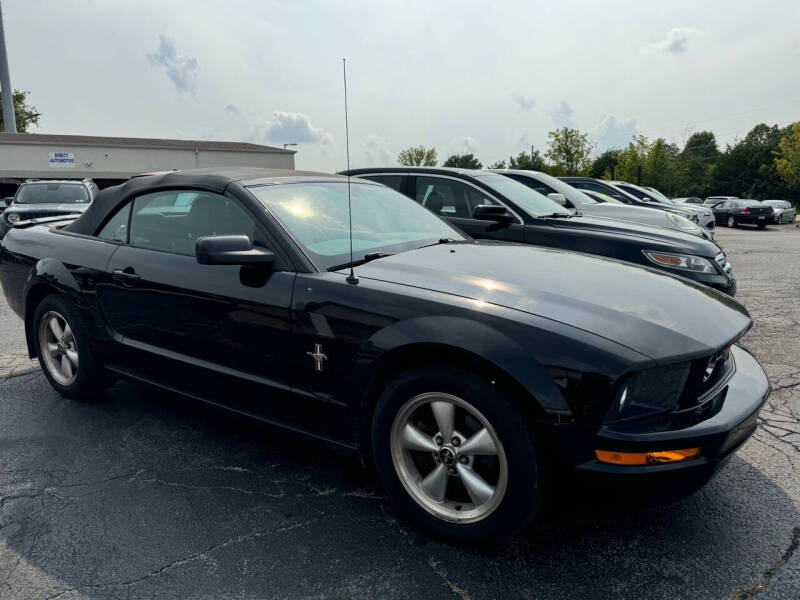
(764, 164)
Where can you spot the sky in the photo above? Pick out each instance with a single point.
(489, 78)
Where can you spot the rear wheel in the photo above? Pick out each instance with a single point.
(455, 456)
(64, 353)
(731, 222)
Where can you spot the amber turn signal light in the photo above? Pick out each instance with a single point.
(646, 458)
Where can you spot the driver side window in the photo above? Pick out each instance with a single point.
(173, 220)
(449, 198)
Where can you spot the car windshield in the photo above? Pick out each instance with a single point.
(574, 195)
(525, 198)
(384, 221)
(659, 196)
(775, 203)
(748, 203)
(605, 198)
(52, 193)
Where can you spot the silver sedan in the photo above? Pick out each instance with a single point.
(785, 212)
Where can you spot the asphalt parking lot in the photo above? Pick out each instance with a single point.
(146, 495)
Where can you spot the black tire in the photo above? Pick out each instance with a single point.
(91, 379)
(523, 490)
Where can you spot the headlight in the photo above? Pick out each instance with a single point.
(687, 262)
(683, 223)
(649, 392)
(13, 218)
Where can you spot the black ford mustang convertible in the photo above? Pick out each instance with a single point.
(464, 370)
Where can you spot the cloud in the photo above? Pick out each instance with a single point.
(288, 128)
(462, 144)
(232, 109)
(524, 103)
(562, 114)
(675, 42)
(182, 70)
(612, 132)
(377, 152)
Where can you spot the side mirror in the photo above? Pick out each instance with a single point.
(8, 200)
(492, 212)
(231, 250)
(560, 198)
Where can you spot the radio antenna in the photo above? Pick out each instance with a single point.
(351, 278)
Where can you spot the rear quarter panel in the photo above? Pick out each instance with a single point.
(66, 263)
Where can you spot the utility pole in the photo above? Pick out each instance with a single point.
(531, 156)
(9, 118)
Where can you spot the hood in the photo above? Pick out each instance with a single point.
(664, 317)
(636, 214)
(691, 208)
(680, 241)
(49, 207)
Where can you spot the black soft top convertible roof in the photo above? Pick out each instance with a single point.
(212, 179)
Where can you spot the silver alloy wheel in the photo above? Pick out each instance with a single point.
(731, 222)
(58, 347)
(449, 457)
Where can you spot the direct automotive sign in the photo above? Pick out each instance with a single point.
(62, 160)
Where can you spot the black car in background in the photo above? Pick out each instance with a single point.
(743, 211)
(488, 205)
(464, 370)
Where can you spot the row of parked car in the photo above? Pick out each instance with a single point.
(733, 211)
(535, 208)
(472, 373)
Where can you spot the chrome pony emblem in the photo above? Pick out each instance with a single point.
(319, 357)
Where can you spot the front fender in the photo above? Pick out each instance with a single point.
(479, 339)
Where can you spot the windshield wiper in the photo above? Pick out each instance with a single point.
(442, 241)
(556, 215)
(367, 258)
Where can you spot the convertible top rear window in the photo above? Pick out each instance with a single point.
(316, 216)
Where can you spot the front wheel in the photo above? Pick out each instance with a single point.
(455, 456)
(731, 222)
(64, 353)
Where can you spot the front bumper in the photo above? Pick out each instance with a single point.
(717, 437)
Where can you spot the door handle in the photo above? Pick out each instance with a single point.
(126, 275)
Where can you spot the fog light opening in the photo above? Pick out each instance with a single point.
(646, 458)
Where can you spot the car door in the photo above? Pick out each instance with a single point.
(455, 200)
(209, 323)
(720, 211)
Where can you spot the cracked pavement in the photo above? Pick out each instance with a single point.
(145, 494)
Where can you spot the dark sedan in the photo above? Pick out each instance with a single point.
(487, 205)
(464, 370)
(740, 212)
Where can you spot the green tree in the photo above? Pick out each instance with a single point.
(748, 168)
(632, 158)
(660, 168)
(696, 164)
(417, 156)
(463, 161)
(569, 150)
(602, 165)
(527, 162)
(787, 159)
(500, 164)
(26, 115)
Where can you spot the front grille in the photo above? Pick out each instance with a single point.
(39, 214)
(722, 261)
